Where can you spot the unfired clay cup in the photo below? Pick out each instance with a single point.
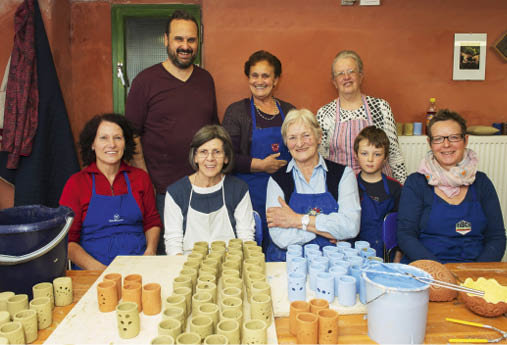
(44, 290)
(188, 338)
(17, 303)
(28, 318)
(42, 305)
(254, 332)
(127, 318)
(13, 331)
(170, 327)
(63, 291)
(229, 329)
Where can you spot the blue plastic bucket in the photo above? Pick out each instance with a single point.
(33, 246)
(397, 304)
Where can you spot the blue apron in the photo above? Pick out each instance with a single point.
(455, 232)
(372, 217)
(312, 204)
(113, 226)
(265, 141)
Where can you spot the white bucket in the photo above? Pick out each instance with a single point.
(397, 306)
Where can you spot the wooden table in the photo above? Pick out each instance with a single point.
(353, 328)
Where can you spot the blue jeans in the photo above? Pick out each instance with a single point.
(160, 200)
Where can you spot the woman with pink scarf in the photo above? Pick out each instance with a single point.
(449, 211)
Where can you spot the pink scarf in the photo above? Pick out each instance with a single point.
(450, 181)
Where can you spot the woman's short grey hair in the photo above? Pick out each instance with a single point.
(301, 115)
(347, 54)
(208, 133)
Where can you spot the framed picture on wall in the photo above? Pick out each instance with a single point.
(469, 57)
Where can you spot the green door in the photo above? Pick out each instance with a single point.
(138, 42)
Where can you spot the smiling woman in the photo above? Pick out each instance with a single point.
(113, 203)
(254, 125)
(449, 211)
(208, 205)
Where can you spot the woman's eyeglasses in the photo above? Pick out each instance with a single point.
(452, 138)
(342, 74)
(214, 153)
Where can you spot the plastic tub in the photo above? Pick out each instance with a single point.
(33, 246)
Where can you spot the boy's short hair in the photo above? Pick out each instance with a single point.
(375, 137)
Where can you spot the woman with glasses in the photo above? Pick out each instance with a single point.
(343, 118)
(313, 200)
(208, 205)
(254, 125)
(449, 211)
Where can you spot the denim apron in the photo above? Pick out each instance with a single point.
(312, 204)
(113, 226)
(265, 141)
(372, 217)
(455, 232)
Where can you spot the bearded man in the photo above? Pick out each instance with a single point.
(167, 104)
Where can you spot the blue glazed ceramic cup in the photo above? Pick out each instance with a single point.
(296, 284)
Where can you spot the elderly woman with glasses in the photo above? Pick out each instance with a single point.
(312, 200)
(208, 205)
(342, 119)
(449, 211)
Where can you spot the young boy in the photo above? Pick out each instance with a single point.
(379, 193)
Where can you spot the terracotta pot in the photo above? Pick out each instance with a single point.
(42, 305)
(116, 278)
(44, 290)
(127, 318)
(317, 304)
(63, 291)
(328, 326)
(296, 307)
(133, 278)
(131, 292)
(107, 296)
(307, 328)
(151, 299)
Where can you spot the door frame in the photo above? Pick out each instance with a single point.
(119, 14)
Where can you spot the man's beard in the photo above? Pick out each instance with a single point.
(177, 62)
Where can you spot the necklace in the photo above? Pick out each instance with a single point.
(267, 117)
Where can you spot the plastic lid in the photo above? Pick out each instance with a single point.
(433, 99)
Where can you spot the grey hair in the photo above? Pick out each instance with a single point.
(347, 54)
(303, 115)
(208, 133)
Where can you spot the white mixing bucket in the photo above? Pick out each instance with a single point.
(397, 305)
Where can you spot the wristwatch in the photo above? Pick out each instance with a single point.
(305, 221)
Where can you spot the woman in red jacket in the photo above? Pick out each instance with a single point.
(113, 202)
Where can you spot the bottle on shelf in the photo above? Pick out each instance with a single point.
(432, 110)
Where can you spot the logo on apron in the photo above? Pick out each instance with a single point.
(275, 147)
(314, 211)
(463, 227)
(116, 219)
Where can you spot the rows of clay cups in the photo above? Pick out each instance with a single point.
(20, 319)
(334, 272)
(217, 316)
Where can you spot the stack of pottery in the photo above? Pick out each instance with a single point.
(313, 322)
(212, 286)
(21, 319)
(334, 272)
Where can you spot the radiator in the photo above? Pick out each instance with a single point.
(491, 151)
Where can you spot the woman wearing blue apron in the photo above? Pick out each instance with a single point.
(254, 126)
(313, 200)
(449, 211)
(114, 203)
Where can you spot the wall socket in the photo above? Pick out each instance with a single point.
(369, 2)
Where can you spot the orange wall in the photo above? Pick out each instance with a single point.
(407, 48)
